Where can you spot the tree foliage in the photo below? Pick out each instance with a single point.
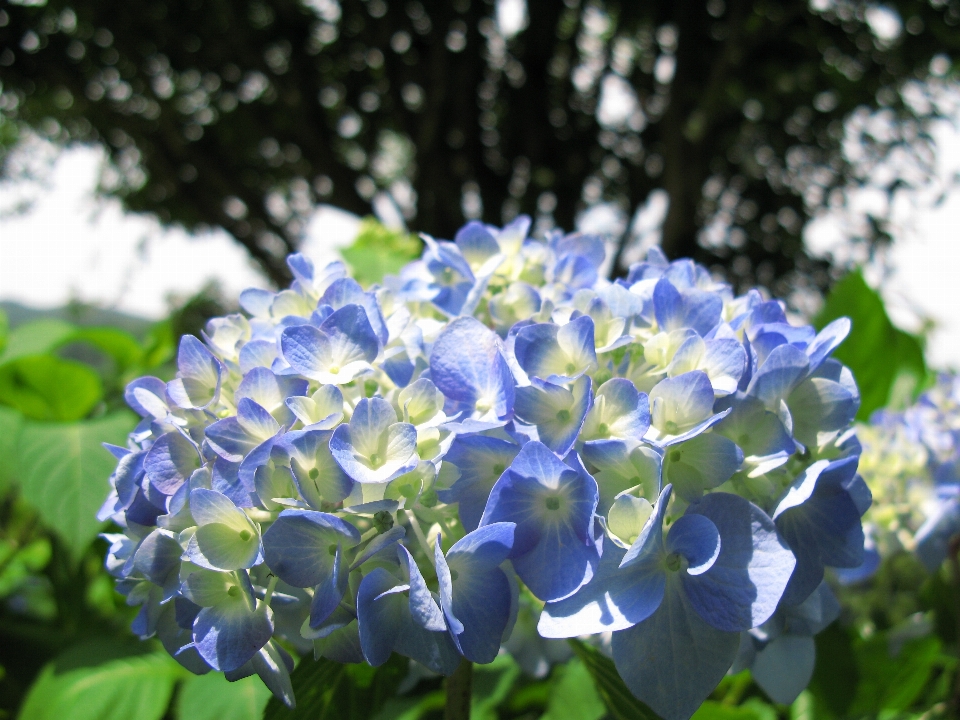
(246, 114)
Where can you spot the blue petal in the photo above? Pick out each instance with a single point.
(743, 586)
(374, 448)
(700, 464)
(673, 660)
(318, 476)
(467, 364)
(481, 461)
(827, 341)
(423, 608)
(379, 615)
(480, 599)
(617, 597)
(552, 505)
(820, 522)
(697, 539)
(297, 547)
(784, 666)
(778, 375)
(328, 594)
(229, 634)
(679, 403)
(558, 413)
(347, 291)
(170, 461)
(198, 381)
(147, 396)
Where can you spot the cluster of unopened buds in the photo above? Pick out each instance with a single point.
(652, 461)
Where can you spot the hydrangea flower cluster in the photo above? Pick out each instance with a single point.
(911, 461)
(651, 461)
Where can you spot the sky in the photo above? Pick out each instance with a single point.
(60, 242)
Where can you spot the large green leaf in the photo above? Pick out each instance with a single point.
(326, 690)
(63, 472)
(491, 685)
(211, 697)
(34, 338)
(574, 694)
(879, 354)
(892, 681)
(11, 422)
(120, 345)
(45, 387)
(131, 687)
(619, 700)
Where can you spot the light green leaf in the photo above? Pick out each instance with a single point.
(35, 338)
(619, 700)
(379, 251)
(11, 422)
(4, 330)
(63, 472)
(45, 387)
(574, 695)
(124, 688)
(211, 697)
(872, 336)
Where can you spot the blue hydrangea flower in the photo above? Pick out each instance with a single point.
(405, 468)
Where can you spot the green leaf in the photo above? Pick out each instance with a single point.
(573, 695)
(122, 688)
(712, 710)
(63, 472)
(379, 251)
(211, 697)
(491, 685)
(873, 336)
(36, 338)
(11, 422)
(619, 700)
(4, 330)
(45, 387)
(835, 673)
(892, 681)
(120, 345)
(327, 690)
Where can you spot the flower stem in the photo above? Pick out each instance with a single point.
(458, 692)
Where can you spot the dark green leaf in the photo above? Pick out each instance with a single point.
(326, 690)
(873, 336)
(835, 673)
(63, 472)
(619, 700)
(120, 345)
(892, 680)
(122, 688)
(11, 422)
(45, 387)
(211, 697)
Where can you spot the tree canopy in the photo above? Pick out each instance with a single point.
(246, 114)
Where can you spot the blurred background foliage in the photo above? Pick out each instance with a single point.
(65, 647)
(741, 114)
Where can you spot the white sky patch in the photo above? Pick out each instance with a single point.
(72, 246)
